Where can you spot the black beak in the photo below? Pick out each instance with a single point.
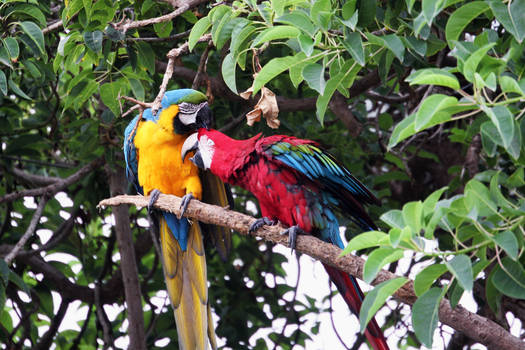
(197, 160)
(204, 118)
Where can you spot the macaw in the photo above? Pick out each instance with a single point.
(152, 146)
(298, 184)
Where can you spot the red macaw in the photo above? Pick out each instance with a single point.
(298, 184)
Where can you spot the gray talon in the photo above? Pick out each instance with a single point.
(292, 233)
(259, 223)
(184, 203)
(153, 197)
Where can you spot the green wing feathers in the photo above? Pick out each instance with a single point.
(216, 192)
(185, 274)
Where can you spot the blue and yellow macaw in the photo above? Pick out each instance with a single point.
(152, 148)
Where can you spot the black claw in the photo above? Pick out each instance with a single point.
(259, 223)
(184, 203)
(153, 197)
(292, 233)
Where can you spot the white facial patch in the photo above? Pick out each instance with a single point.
(188, 112)
(206, 148)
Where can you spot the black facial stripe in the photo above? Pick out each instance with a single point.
(180, 128)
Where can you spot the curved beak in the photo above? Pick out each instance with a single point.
(190, 145)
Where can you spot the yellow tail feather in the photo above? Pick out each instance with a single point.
(185, 274)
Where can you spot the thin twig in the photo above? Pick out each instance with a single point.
(29, 232)
(172, 55)
(156, 40)
(55, 187)
(202, 66)
(136, 24)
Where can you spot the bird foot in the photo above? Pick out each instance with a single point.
(259, 223)
(292, 233)
(184, 204)
(153, 197)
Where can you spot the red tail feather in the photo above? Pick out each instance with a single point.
(353, 296)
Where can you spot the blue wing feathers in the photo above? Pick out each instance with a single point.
(179, 228)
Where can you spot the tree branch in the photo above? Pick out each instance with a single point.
(117, 185)
(55, 187)
(474, 326)
(29, 232)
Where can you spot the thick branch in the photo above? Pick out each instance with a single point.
(117, 185)
(474, 326)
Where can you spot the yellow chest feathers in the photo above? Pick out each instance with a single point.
(159, 162)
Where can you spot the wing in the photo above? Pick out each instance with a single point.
(214, 191)
(130, 154)
(322, 168)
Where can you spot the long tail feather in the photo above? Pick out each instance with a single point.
(185, 273)
(353, 296)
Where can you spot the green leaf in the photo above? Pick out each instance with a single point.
(376, 298)
(433, 76)
(427, 277)
(318, 7)
(228, 72)
(429, 205)
(391, 42)
(510, 280)
(3, 83)
(4, 272)
(137, 88)
(197, 31)
(403, 130)
(460, 18)
(35, 34)
(109, 93)
(394, 218)
(425, 315)
(306, 43)
(93, 40)
(240, 33)
(300, 20)
(365, 240)
(509, 84)
(503, 120)
(16, 89)
(163, 29)
(472, 62)
(377, 259)
(354, 45)
(12, 48)
(461, 268)
(146, 56)
(412, 215)
(510, 16)
(347, 73)
(28, 10)
(508, 242)
(314, 76)
(19, 282)
(431, 8)
(428, 112)
(477, 195)
(278, 65)
(275, 33)
(492, 295)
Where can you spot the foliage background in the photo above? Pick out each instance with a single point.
(414, 97)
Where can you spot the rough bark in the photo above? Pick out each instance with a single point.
(472, 325)
(117, 184)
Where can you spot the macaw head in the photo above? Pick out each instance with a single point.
(217, 152)
(183, 111)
